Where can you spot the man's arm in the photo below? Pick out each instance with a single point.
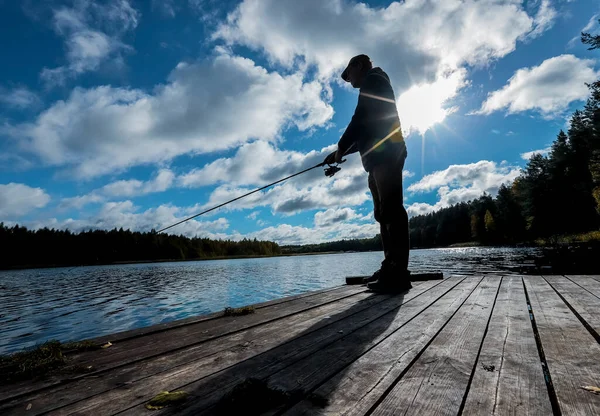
(356, 128)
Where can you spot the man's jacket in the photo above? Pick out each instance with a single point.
(375, 127)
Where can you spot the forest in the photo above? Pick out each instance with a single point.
(44, 247)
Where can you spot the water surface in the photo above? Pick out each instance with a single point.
(83, 302)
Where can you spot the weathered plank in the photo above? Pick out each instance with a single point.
(355, 389)
(208, 391)
(284, 332)
(437, 381)
(155, 344)
(583, 302)
(508, 379)
(64, 394)
(589, 283)
(571, 352)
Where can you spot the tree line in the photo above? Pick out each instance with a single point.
(50, 247)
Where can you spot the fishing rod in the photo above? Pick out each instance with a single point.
(331, 170)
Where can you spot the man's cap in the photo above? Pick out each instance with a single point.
(358, 58)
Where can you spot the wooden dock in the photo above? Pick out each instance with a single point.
(501, 345)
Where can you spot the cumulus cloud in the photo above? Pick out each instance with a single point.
(205, 107)
(17, 199)
(255, 163)
(529, 155)
(78, 202)
(425, 46)
(163, 181)
(125, 214)
(286, 234)
(92, 33)
(461, 183)
(548, 88)
(334, 216)
(19, 98)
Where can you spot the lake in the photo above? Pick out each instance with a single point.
(83, 302)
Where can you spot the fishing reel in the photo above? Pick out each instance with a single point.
(331, 170)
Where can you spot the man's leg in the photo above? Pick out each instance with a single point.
(393, 215)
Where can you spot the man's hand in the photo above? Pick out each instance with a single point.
(331, 159)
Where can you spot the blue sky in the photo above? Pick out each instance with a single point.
(136, 114)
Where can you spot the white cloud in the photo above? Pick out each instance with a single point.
(407, 174)
(17, 199)
(205, 107)
(333, 216)
(163, 181)
(253, 215)
(544, 19)
(166, 7)
(125, 214)
(548, 88)
(425, 46)
(592, 24)
(484, 175)
(78, 202)
(92, 33)
(19, 97)
(529, 155)
(286, 234)
(461, 183)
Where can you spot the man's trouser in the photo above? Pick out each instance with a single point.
(385, 183)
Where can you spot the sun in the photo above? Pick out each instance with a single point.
(422, 106)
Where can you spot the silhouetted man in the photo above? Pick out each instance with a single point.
(375, 132)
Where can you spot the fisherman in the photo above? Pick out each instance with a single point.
(374, 132)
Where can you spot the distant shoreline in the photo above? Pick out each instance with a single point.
(249, 256)
(120, 263)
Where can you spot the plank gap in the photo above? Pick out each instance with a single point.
(583, 287)
(587, 326)
(487, 326)
(538, 341)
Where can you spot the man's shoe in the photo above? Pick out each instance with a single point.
(390, 285)
(387, 267)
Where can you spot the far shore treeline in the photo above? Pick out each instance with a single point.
(556, 194)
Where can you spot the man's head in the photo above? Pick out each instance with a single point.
(356, 70)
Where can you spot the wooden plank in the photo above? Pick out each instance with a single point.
(264, 338)
(50, 399)
(153, 345)
(414, 277)
(437, 381)
(355, 389)
(206, 392)
(586, 305)
(589, 283)
(571, 352)
(508, 379)
(307, 373)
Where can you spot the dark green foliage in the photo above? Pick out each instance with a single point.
(58, 247)
(366, 244)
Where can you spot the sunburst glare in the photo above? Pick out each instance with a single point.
(422, 106)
